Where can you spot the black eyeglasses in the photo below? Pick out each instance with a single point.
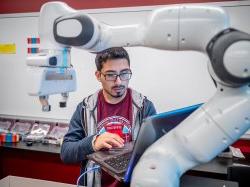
(113, 76)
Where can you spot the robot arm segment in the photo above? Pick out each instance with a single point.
(198, 139)
(229, 52)
(50, 70)
(168, 28)
(214, 126)
(92, 35)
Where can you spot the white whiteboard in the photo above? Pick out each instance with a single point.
(170, 79)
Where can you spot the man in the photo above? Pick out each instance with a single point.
(109, 118)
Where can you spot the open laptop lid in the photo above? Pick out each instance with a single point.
(152, 129)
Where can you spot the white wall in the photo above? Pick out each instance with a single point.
(170, 79)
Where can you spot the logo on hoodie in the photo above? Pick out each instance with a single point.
(117, 125)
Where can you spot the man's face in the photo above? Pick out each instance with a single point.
(113, 85)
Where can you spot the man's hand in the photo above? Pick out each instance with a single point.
(107, 141)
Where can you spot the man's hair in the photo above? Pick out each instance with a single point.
(110, 54)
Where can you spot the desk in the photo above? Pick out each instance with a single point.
(193, 181)
(43, 162)
(217, 168)
(39, 147)
(37, 161)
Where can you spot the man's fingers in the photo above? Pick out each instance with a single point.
(118, 138)
(115, 142)
(106, 145)
(108, 140)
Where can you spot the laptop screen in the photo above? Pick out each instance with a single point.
(152, 129)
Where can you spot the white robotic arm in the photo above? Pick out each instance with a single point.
(169, 28)
(50, 71)
(60, 27)
(210, 129)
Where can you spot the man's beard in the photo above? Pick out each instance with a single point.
(119, 93)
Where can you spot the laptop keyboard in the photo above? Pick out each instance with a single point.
(119, 162)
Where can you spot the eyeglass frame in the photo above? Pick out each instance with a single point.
(117, 75)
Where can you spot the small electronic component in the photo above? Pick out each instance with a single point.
(9, 137)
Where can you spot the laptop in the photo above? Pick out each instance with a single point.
(120, 162)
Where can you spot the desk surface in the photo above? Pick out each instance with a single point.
(217, 166)
(46, 148)
(193, 181)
